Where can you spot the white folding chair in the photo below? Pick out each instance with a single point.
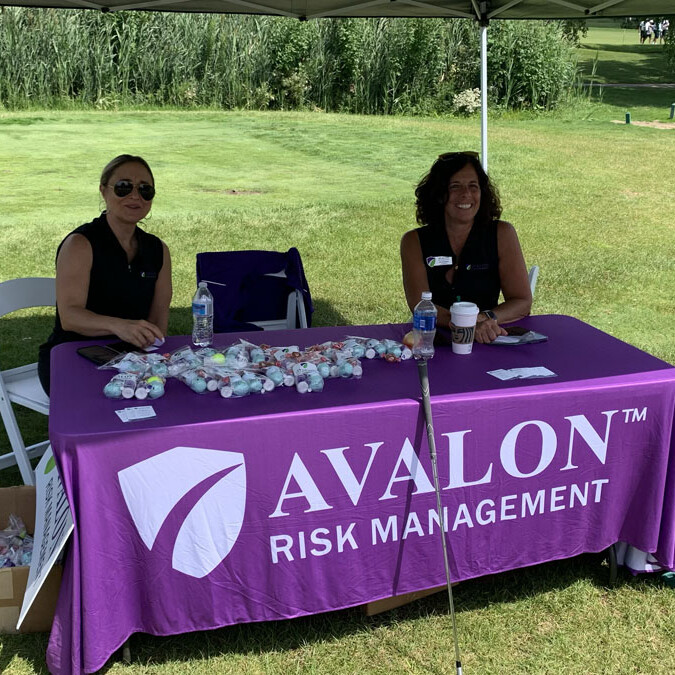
(533, 275)
(295, 308)
(21, 385)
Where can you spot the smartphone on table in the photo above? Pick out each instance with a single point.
(101, 354)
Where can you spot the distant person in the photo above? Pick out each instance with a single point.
(463, 251)
(665, 25)
(656, 32)
(113, 279)
(645, 30)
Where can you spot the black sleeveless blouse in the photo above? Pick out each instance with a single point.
(476, 277)
(116, 287)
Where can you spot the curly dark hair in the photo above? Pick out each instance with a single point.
(431, 193)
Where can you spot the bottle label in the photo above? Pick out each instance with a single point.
(424, 323)
(199, 309)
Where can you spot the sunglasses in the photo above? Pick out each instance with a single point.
(124, 187)
(446, 156)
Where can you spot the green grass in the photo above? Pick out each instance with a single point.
(618, 58)
(558, 618)
(591, 202)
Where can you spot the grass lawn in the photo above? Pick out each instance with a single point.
(591, 201)
(619, 58)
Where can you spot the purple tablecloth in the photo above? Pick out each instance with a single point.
(221, 511)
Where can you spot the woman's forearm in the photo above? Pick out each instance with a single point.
(512, 309)
(85, 322)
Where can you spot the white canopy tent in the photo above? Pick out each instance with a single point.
(482, 11)
(316, 9)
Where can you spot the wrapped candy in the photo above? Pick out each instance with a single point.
(122, 385)
(182, 359)
(356, 347)
(205, 352)
(398, 350)
(377, 346)
(16, 545)
(307, 378)
(275, 374)
(370, 347)
(256, 354)
(236, 357)
(257, 383)
(127, 363)
(151, 386)
(197, 379)
(233, 385)
(281, 354)
(349, 367)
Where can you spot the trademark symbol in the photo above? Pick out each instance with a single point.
(634, 415)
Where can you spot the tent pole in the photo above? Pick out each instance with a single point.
(483, 97)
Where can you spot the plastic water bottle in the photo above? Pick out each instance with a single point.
(202, 316)
(424, 327)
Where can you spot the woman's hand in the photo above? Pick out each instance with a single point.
(487, 330)
(138, 332)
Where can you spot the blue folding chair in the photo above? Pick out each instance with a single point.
(256, 290)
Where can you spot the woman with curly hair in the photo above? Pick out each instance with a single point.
(463, 251)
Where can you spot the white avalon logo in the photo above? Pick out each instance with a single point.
(153, 487)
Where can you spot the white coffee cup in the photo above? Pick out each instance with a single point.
(463, 325)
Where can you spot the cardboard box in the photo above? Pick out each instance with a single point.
(20, 500)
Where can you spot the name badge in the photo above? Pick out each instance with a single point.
(439, 260)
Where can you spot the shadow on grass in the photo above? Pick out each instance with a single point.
(651, 69)
(639, 98)
(655, 51)
(620, 72)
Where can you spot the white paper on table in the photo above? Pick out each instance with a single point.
(506, 340)
(538, 371)
(140, 412)
(502, 374)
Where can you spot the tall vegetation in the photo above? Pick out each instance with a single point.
(669, 44)
(60, 58)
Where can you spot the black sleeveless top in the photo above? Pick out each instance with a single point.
(476, 277)
(116, 287)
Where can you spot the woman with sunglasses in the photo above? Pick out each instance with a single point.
(113, 279)
(463, 251)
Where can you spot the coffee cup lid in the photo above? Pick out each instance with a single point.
(464, 308)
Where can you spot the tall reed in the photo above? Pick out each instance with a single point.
(61, 58)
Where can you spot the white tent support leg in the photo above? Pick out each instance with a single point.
(483, 99)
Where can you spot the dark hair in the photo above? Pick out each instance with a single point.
(113, 164)
(431, 192)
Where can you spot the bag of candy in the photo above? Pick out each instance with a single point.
(307, 377)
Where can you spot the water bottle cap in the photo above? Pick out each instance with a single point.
(426, 295)
(202, 284)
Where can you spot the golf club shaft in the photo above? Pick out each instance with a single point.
(426, 403)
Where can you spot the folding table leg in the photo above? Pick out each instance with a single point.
(613, 567)
(126, 651)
